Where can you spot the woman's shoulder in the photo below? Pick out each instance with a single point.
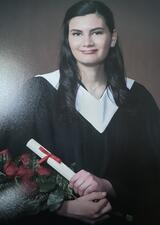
(141, 95)
(41, 84)
(135, 86)
(51, 78)
(138, 89)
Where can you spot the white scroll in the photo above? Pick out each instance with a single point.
(51, 159)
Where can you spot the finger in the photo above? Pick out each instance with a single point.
(73, 180)
(81, 178)
(94, 196)
(101, 204)
(106, 209)
(83, 187)
(81, 174)
(80, 185)
(89, 189)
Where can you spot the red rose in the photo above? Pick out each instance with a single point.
(10, 168)
(24, 172)
(25, 159)
(43, 171)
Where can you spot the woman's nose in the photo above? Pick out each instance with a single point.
(87, 41)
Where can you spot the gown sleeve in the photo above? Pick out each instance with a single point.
(138, 190)
(22, 122)
(150, 201)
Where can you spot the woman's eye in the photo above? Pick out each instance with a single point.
(76, 34)
(98, 32)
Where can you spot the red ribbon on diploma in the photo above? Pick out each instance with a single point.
(48, 155)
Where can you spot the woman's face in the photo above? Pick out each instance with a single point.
(89, 39)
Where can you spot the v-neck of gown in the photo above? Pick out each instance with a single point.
(98, 99)
(98, 112)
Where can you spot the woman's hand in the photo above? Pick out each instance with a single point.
(90, 206)
(84, 183)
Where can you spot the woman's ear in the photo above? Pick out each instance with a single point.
(114, 38)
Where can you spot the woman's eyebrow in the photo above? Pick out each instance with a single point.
(77, 30)
(97, 28)
(93, 29)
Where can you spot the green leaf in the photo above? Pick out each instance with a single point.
(62, 182)
(33, 163)
(55, 199)
(2, 161)
(31, 207)
(63, 185)
(5, 185)
(2, 174)
(46, 183)
(35, 204)
(3, 178)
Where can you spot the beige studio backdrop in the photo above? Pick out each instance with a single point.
(30, 38)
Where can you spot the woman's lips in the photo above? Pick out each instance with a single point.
(91, 51)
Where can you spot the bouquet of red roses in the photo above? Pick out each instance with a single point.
(29, 186)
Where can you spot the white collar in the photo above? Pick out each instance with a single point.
(98, 112)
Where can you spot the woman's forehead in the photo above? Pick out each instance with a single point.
(89, 20)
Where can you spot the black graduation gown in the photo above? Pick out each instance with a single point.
(127, 153)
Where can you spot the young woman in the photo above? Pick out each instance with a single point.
(91, 114)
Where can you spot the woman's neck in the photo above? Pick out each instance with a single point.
(94, 79)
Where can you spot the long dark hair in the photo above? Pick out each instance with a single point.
(113, 63)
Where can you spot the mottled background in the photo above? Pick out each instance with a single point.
(30, 37)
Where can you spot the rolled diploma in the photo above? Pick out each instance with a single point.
(61, 168)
